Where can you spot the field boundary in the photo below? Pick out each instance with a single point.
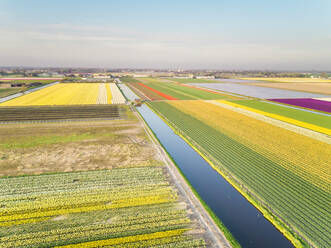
(206, 216)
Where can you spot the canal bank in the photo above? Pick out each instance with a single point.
(207, 218)
(246, 223)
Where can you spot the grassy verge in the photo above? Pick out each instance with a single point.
(234, 243)
(9, 91)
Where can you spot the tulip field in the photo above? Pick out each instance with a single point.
(315, 121)
(127, 207)
(318, 104)
(155, 89)
(284, 173)
(71, 94)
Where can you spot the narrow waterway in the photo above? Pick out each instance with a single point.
(242, 219)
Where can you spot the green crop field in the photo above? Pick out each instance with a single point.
(9, 91)
(176, 91)
(289, 186)
(301, 115)
(193, 80)
(129, 80)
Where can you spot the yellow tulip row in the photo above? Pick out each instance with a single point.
(81, 198)
(71, 94)
(281, 118)
(86, 231)
(137, 201)
(300, 154)
(123, 240)
(123, 206)
(24, 221)
(109, 94)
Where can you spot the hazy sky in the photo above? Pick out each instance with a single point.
(219, 34)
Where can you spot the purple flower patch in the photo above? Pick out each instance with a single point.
(307, 103)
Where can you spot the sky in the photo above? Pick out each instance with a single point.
(167, 34)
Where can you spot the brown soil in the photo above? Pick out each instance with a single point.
(113, 144)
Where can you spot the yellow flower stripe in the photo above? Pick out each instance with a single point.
(123, 240)
(152, 242)
(25, 221)
(138, 201)
(59, 94)
(84, 198)
(300, 154)
(109, 95)
(281, 118)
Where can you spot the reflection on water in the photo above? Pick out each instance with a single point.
(241, 218)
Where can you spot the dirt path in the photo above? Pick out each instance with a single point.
(214, 234)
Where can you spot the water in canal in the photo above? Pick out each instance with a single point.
(242, 219)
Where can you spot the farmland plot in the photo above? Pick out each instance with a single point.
(70, 94)
(315, 104)
(315, 121)
(155, 89)
(90, 184)
(288, 173)
(258, 92)
(116, 97)
(130, 207)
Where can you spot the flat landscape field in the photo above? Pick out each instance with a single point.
(162, 89)
(319, 104)
(70, 94)
(290, 80)
(90, 184)
(285, 172)
(320, 87)
(258, 91)
(308, 119)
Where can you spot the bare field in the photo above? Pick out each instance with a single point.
(321, 88)
(55, 147)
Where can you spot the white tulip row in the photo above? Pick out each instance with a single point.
(117, 97)
(102, 97)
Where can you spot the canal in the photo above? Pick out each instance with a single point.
(242, 219)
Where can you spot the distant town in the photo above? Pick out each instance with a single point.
(97, 73)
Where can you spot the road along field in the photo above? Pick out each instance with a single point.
(285, 174)
(311, 120)
(91, 184)
(155, 89)
(70, 94)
